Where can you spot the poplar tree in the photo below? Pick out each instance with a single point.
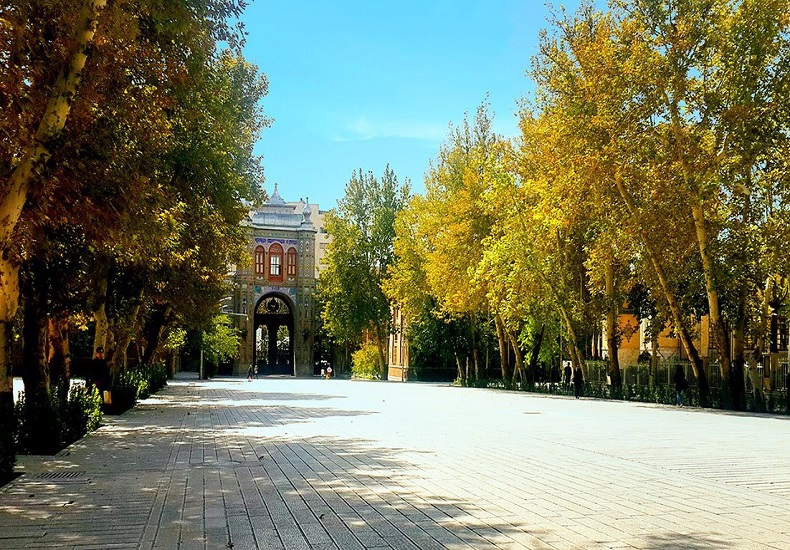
(358, 259)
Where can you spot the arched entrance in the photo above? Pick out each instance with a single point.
(274, 335)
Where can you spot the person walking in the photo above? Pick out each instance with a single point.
(681, 384)
(568, 374)
(578, 382)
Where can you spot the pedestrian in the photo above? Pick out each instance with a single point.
(249, 374)
(568, 376)
(578, 382)
(328, 373)
(681, 384)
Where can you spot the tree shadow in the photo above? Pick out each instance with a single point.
(207, 469)
(686, 541)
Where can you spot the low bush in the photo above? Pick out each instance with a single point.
(45, 426)
(157, 377)
(135, 383)
(82, 413)
(365, 362)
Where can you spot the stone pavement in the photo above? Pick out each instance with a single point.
(289, 464)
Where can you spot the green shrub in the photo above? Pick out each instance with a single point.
(45, 426)
(39, 425)
(365, 362)
(125, 389)
(82, 413)
(157, 377)
(135, 383)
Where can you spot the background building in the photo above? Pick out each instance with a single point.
(273, 298)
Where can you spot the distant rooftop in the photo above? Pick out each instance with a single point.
(278, 214)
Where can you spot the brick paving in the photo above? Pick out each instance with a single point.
(287, 464)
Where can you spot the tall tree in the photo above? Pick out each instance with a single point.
(358, 259)
(455, 218)
(598, 75)
(93, 70)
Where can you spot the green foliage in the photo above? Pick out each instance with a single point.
(39, 426)
(365, 362)
(359, 255)
(82, 413)
(220, 342)
(45, 426)
(138, 382)
(157, 376)
(175, 338)
(432, 343)
(125, 389)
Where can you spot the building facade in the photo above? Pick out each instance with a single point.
(273, 298)
(398, 348)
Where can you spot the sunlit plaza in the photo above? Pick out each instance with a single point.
(284, 463)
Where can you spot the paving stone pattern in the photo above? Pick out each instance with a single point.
(292, 464)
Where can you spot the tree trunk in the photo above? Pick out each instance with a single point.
(99, 308)
(503, 349)
(35, 349)
(41, 420)
(576, 356)
(9, 300)
(170, 362)
(762, 330)
(125, 329)
(475, 345)
(9, 303)
(7, 418)
(612, 329)
(731, 373)
(519, 370)
(654, 359)
(14, 194)
(674, 306)
(461, 374)
(535, 353)
(154, 330)
(59, 355)
(380, 347)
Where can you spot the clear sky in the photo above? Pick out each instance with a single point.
(359, 84)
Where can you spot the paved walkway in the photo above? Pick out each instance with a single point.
(314, 464)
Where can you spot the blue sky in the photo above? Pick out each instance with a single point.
(359, 84)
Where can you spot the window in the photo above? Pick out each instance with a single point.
(275, 262)
(260, 260)
(291, 257)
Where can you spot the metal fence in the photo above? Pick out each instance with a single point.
(642, 374)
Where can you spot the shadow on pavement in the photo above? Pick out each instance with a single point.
(216, 467)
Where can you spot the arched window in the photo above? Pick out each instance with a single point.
(291, 262)
(276, 262)
(260, 260)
